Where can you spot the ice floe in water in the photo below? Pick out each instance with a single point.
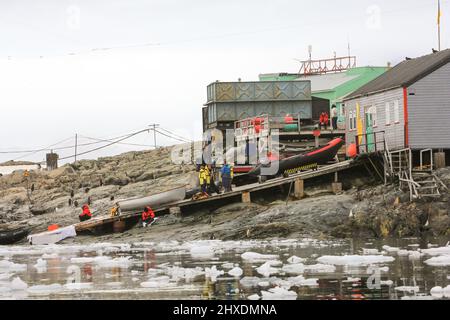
(320, 268)
(236, 272)
(409, 289)
(295, 260)
(45, 289)
(78, 286)
(8, 266)
(18, 284)
(440, 261)
(202, 252)
(437, 251)
(157, 282)
(390, 249)
(254, 297)
(278, 293)
(370, 251)
(294, 268)
(355, 260)
(41, 266)
(212, 273)
(258, 257)
(266, 269)
(440, 292)
(187, 274)
(250, 282)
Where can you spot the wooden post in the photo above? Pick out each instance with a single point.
(176, 211)
(439, 160)
(299, 189)
(336, 186)
(246, 197)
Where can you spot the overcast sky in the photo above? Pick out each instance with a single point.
(57, 78)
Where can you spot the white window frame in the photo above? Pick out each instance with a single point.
(396, 112)
(374, 116)
(388, 113)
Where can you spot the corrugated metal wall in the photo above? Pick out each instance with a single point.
(259, 91)
(231, 101)
(395, 135)
(429, 111)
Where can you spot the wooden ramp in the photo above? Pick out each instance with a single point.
(238, 191)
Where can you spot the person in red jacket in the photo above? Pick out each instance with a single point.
(86, 214)
(148, 216)
(323, 120)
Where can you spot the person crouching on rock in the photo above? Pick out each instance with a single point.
(86, 214)
(148, 216)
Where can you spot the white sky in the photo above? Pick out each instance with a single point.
(48, 94)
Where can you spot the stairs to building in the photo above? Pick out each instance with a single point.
(421, 182)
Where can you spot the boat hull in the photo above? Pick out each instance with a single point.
(154, 200)
(300, 162)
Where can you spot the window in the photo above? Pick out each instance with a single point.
(350, 118)
(354, 120)
(388, 113)
(373, 116)
(396, 112)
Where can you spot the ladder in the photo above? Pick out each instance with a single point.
(421, 182)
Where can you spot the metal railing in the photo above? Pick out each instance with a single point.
(431, 159)
(378, 144)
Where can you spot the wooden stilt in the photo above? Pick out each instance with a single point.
(299, 189)
(246, 197)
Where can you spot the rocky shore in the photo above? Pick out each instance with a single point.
(363, 209)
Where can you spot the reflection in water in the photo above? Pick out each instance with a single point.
(171, 271)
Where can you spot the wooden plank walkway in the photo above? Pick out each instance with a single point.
(237, 191)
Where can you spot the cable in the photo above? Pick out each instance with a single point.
(174, 134)
(105, 146)
(122, 143)
(166, 135)
(43, 149)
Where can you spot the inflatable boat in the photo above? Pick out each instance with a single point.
(302, 162)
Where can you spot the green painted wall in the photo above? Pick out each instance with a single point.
(362, 75)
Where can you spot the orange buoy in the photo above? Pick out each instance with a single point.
(53, 227)
(351, 151)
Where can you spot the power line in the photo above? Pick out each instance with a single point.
(174, 138)
(43, 149)
(175, 135)
(121, 143)
(105, 146)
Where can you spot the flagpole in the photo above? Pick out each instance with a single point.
(439, 25)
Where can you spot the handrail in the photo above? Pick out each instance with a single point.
(431, 158)
(375, 143)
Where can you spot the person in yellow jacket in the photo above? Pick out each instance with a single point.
(202, 176)
(208, 176)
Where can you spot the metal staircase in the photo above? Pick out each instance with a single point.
(420, 181)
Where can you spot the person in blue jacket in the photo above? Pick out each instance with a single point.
(227, 176)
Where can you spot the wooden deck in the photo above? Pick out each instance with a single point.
(237, 191)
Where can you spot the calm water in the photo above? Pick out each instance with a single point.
(199, 270)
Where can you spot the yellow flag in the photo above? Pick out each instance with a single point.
(439, 13)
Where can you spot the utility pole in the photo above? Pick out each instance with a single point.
(154, 126)
(76, 146)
